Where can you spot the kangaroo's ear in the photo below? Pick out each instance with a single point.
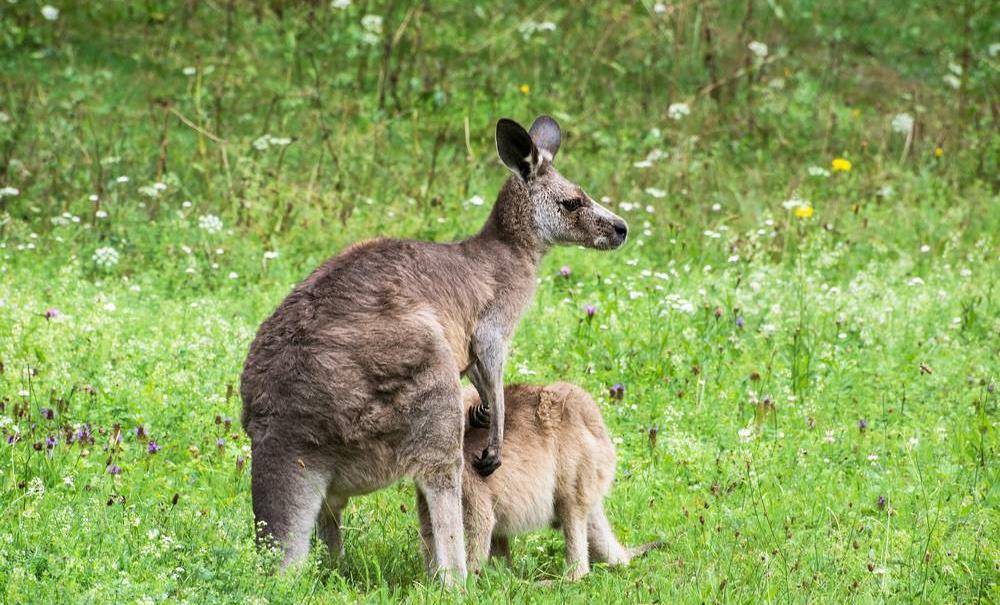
(547, 136)
(516, 149)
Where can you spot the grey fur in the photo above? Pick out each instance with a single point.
(354, 381)
(559, 466)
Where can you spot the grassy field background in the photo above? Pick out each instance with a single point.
(805, 321)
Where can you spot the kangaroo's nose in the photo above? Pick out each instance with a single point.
(621, 229)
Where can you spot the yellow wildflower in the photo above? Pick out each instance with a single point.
(525, 89)
(938, 152)
(804, 211)
(841, 165)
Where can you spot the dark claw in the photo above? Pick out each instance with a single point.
(487, 463)
(479, 419)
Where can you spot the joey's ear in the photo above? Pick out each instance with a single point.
(546, 135)
(516, 149)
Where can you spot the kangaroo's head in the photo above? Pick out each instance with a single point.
(542, 202)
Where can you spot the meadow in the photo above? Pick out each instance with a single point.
(797, 351)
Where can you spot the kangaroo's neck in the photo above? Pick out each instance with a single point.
(508, 242)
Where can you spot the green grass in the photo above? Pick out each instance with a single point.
(810, 408)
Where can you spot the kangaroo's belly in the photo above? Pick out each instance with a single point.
(527, 507)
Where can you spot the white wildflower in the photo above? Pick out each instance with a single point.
(50, 12)
(659, 8)
(830, 437)
(654, 192)
(105, 257)
(477, 200)
(902, 123)
(101, 214)
(372, 23)
(270, 255)
(994, 49)
(233, 275)
(122, 180)
(110, 307)
(886, 191)
(758, 48)
(746, 434)
(873, 457)
(4, 117)
(953, 81)
(914, 281)
(36, 487)
(210, 223)
(189, 71)
(818, 171)
(925, 249)
(340, 4)
(9, 192)
(529, 28)
(793, 203)
(677, 111)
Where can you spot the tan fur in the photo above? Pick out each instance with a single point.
(559, 464)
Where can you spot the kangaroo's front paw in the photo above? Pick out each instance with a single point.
(488, 462)
(479, 417)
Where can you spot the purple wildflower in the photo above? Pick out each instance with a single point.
(862, 425)
(881, 501)
(590, 310)
(240, 461)
(617, 391)
(12, 439)
(220, 443)
(113, 469)
(565, 271)
(140, 432)
(50, 442)
(739, 322)
(84, 435)
(48, 414)
(227, 422)
(52, 313)
(153, 446)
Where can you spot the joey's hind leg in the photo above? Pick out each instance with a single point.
(329, 524)
(479, 520)
(601, 540)
(574, 523)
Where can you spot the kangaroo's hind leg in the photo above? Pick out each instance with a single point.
(426, 534)
(329, 524)
(433, 454)
(500, 547)
(287, 495)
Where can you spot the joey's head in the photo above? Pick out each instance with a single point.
(540, 205)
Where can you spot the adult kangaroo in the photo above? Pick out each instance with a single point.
(354, 381)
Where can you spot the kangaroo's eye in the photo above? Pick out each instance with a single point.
(571, 204)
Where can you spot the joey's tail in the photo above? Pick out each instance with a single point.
(638, 551)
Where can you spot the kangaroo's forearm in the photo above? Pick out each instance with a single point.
(487, 377)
